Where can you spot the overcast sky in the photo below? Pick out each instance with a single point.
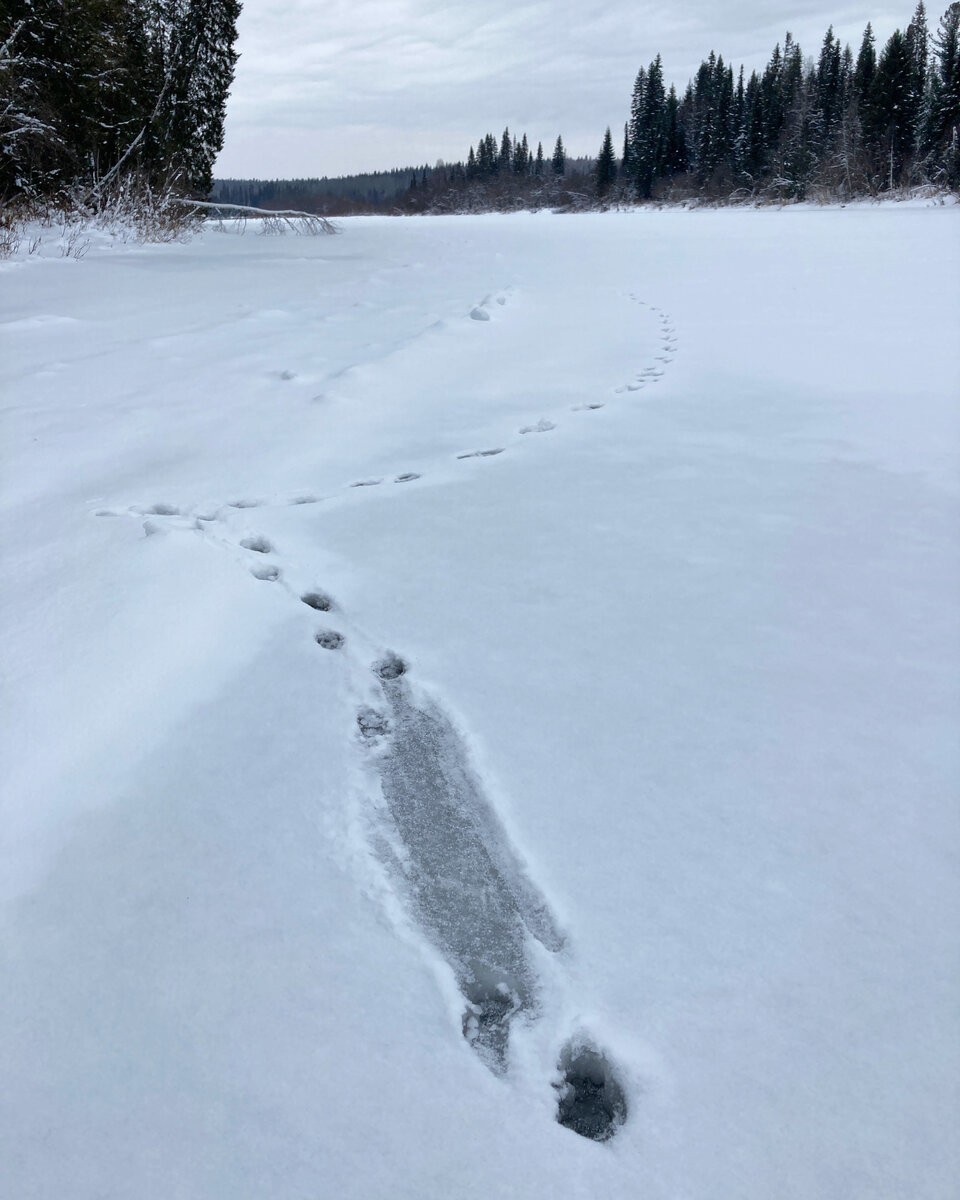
(344, 86)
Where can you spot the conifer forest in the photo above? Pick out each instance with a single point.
(96, 95)
(842, 124)
(101, 95)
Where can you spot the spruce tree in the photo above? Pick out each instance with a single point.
(505, 157)
(636, 120)
(674, 143)
(559, 160)
(942, 131)
(829, 90)
(892, 109)
(606, 169)
(649, 135)
(626, 159)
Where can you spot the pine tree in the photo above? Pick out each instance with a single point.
(487, 156)
(506, 153)
(538, 163)
(863, 77)
(751, 145)
(648, 140)
(891, 107)
(521, 157)
(674, 144)
(559, 160)
(942, 125)
(606, 169)
(636, 120)
(626, 159)
(829, 91)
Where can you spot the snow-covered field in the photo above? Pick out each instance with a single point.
(673, 754)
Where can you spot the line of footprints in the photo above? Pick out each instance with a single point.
(502, 988)
(459, 874)
(647, 375)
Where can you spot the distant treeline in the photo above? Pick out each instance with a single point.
(335, 197)
(834, 127)
(379, 191)
(840, 126)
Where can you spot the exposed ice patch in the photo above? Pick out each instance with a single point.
(464, 882)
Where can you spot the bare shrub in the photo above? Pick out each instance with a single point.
(10, 232)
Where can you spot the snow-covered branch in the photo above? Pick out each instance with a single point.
(275, 220)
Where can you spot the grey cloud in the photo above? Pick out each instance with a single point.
(369, 84)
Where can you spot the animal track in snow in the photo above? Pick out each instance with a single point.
(372, 724)
(319, 601)
(447, 853)
(366, 483)
(245, 503)
(482, 453)
(586, 407)
(591, 1099)
(391, 666)
(541, 426)
(329, 639)
(480, 312)
(267, 573)
(407, 477)
(159, 510)
(668, 346)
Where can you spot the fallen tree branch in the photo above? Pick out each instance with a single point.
(275, 220)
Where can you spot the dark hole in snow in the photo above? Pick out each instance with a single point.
(317, 600)
(391, 667)
(329, 639)
(260, 544)
(372, 724)
(591, 1101)
(164, 510)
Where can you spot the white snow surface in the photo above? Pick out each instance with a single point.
(696, 622)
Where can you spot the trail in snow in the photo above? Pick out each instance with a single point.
(446, 850)
(695, 658)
